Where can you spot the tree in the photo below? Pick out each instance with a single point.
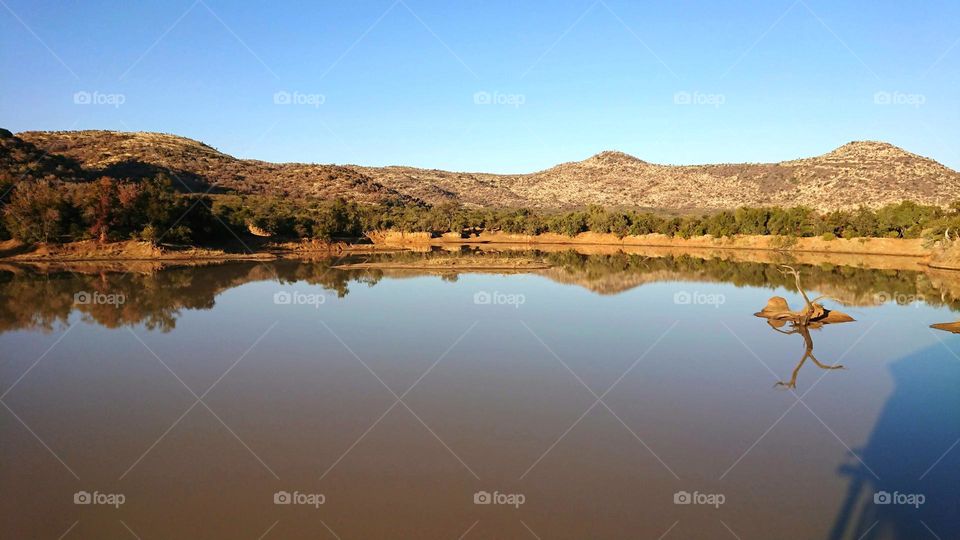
(35, 212)
(722, 224)
(103, 211)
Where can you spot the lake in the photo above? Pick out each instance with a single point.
(608, 396)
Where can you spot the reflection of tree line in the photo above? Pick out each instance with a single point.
(855, 284)
(36, 299)
(43, 300)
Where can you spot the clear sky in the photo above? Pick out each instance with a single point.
(500, 86)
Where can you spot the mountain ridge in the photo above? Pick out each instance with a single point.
(871, 173)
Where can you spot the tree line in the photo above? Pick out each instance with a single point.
(155, 210)
(903, 220)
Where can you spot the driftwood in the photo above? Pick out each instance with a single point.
(813, 315)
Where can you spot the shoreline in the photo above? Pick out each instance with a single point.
(916, 250)
(885, 252)
(136, 251)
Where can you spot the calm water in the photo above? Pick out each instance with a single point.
(587, 400)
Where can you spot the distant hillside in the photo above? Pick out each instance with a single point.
(858, 173)
(21, 160)
(201, 167)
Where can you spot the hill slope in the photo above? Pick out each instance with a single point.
(866, 172)
(200, 167)
(20, 160)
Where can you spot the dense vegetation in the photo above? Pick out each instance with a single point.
(52, 210)
(904, 220)
(106, 210)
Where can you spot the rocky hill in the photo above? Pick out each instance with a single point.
(21, 160)
(199, 167)
(857, 173)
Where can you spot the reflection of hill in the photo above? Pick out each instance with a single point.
(41, 297)
(613, 283)
(612, 274)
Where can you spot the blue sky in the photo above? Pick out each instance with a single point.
(501, 86)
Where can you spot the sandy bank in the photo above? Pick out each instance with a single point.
(869, 246)
(251, 250)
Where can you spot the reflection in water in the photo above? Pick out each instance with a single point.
(301, 400)
(953, 327)
(32, 297)
(35, 299)
(812, 315)
(803, 330)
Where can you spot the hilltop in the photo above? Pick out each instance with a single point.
(858, 173)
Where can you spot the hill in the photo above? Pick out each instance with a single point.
(21, 160)
(199, 167)
(858, 173)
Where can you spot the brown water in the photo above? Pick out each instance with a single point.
(595, 393)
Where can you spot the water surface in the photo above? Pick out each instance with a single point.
(598, 393)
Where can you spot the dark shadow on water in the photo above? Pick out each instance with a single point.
(913, 450)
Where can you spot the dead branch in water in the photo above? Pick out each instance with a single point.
(813, 315)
